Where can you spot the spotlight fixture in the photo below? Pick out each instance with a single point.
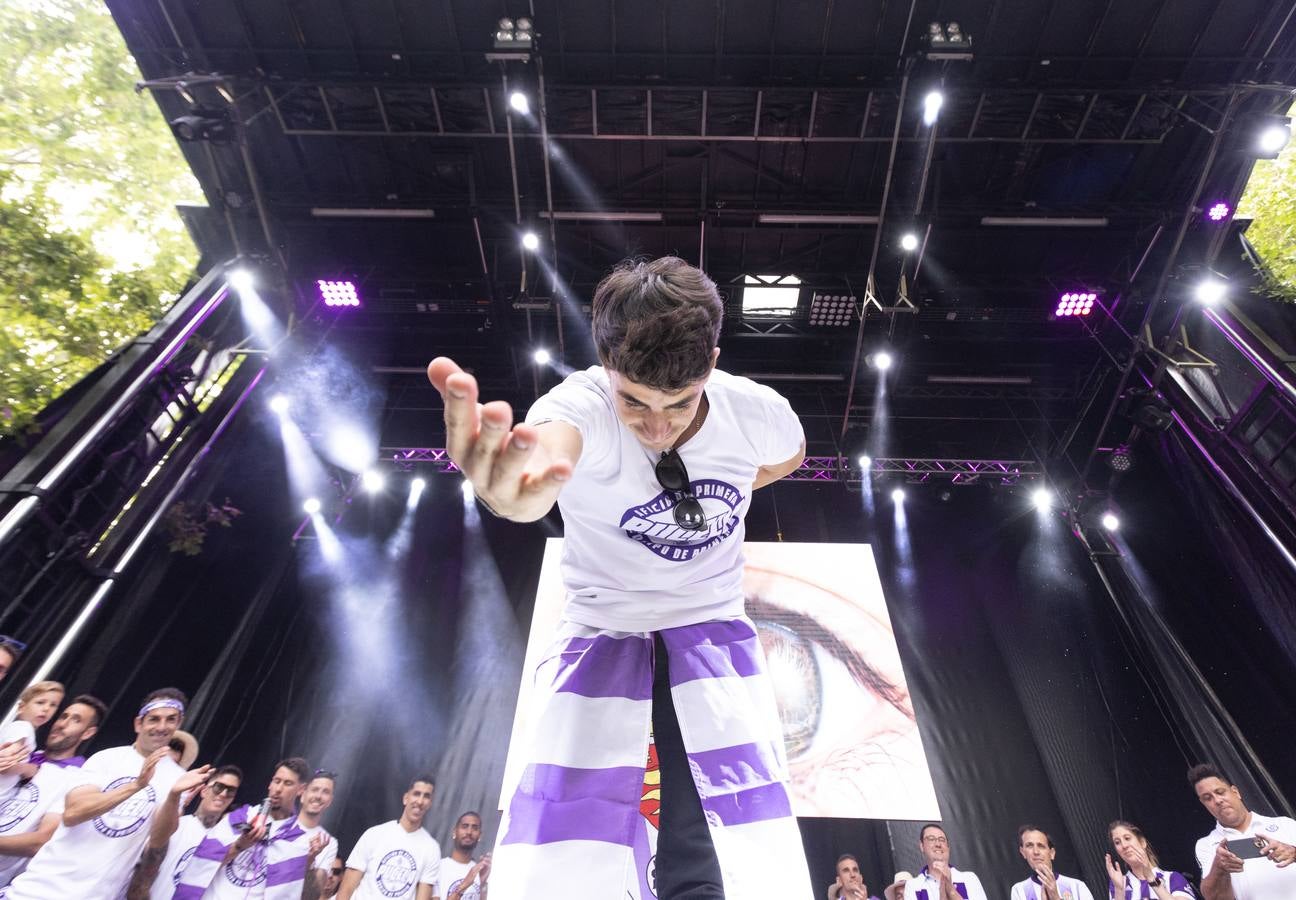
(518, 101)
(832, 309)
(1148, 410)
(1210, 291)
(1219, 212)
(1075, 303)
(418, 484)
(898, 496)
(202, 124)
(932, 104)
(865, 462)
(541, 357)
(530, 241)
(1120, 459)
(935, 33)
(1042, 498)
(279, 404)
(1110, 522)
(1272, 136)
(514, 37)
(241, 280)
(312, 506)
(882, 361)
(373, 481)
(338, 293)
(909, 242)
(947, 41)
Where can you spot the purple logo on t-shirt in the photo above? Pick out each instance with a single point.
(652, 524)
(396, 873)
(126, 817)
(248, 869)
(19, 805)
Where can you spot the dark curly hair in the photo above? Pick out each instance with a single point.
(657, 322)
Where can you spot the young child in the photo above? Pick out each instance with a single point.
(36, 706)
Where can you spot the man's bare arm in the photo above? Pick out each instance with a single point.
(770, 474)
(27, 844)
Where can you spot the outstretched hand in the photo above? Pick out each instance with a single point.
(510, 470)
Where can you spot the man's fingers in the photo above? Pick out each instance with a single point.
(439, 370)
(496, 418)
(461, 415)
(505, 481)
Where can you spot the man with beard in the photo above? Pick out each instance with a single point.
(317, 798)
(938, 880)
(1036, 847)
(462, 878)
(29, 818)
(175, 839)
(397, 859)
(107, 811)
(248, 856)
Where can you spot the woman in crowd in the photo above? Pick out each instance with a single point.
(1144, 880)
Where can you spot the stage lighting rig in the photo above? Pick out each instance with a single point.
(1272, 133)
(947, 40)
(203, 124)
(513, 39)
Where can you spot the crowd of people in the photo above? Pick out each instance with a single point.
(1247, 856)
(115, 826)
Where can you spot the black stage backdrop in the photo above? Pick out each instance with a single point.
(1042, 697)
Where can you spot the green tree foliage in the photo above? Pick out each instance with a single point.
(92, 247)
(1270, 199)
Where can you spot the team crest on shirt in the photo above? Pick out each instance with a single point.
(472, 893)
(652, 524)
(396, 873)
(248, 869)
(126, 817)
(1271, 828)
(181, 863)
(19, 806)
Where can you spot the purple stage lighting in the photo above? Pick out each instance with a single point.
(1219, 212)
(1075, 304)
(338, 293)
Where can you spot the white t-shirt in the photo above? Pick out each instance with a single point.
(15, 730)
(23, 811)
(1260, 879)
(924, 887)
(94, 860)
(1068, 889)
(452, 873)
(246, 876)
(188, 835)
(626, 565)
(394, 862)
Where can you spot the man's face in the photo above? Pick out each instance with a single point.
(156, 728)
(1035, 849)
(848, 873)
(218, 794)
(318, 796)
(285, 787)
(935, 846)
(74, 725)
(6, 662)
(656, 418)
(1223, 801)
(467, 833)
(333, 880)
(417, 800)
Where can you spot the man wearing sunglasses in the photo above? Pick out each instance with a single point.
(652, 458)
(174, 839)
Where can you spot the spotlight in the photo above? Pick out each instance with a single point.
(882, 361)
(418, 485)
(541, 357)
(865, 461)
(202, 124)
(1076, 303)
(530, 241)
(373, 481)
(504, 30)
(832, 309)
(898, 496)
(1042, 498)
(1219, 212)
(467, 488)
(513, 36)
(1110, 522)
(932, 106)
(519, 102)
(1210, 291)
(312, 506)
(242, 280)
(279, 404)
(338, 293)
(909, 243)
(1273, 137)
(935, 34)
(1121, 459)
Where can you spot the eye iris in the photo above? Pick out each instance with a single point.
(795, 676)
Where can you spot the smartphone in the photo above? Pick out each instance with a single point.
(1247, 848)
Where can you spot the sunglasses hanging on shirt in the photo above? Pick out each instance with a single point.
(672, 476)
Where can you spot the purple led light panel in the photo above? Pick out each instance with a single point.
(338, 293)
(1075, 304)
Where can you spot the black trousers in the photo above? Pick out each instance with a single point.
(687, 868)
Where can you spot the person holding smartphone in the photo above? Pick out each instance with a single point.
(1144, 878)
(1246, 856)
(652, 457)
